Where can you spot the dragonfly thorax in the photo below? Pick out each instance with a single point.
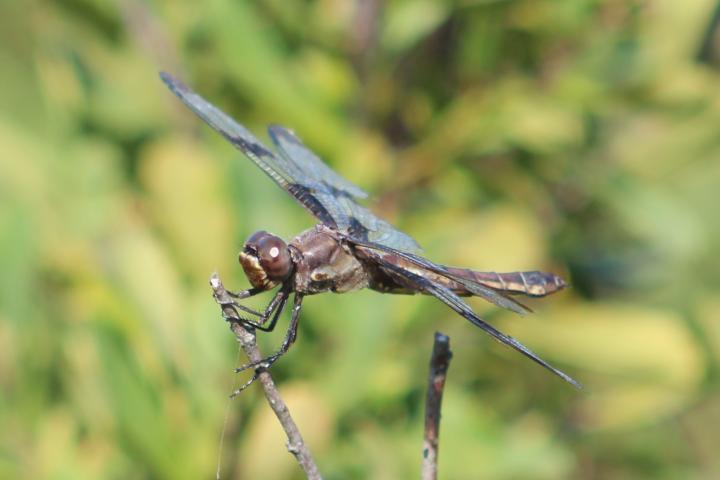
(266, 260)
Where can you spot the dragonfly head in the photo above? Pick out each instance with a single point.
(266, 260)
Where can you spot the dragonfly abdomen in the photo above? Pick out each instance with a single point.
(534, 284)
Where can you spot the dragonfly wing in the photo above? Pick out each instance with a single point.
(288, 175)
(341, 195)
(449, 298)
(301, 173)
(294, 151)
(476, 288)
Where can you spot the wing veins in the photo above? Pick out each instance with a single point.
(300, 172)
(458, 305)
(476, 288)
(284, 173)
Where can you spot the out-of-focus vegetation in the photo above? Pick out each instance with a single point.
(581, 137)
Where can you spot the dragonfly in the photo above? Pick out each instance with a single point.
(349, 249)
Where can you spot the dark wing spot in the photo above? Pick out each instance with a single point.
(253, 148)
(357, 230)
(305, 196)
(336, 192)
(454, 302)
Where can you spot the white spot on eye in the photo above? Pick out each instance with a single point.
(274, 252)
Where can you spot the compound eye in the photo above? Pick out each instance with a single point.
(274, 257)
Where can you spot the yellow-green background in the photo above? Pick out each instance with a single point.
(577, 136)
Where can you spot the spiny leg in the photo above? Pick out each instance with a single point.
(278, 311)
(290, 337)
(230, 313)
(278, 301)
(277, 304)
(245, 385)
(224, 298)
(230, 306)
(265, 363)
(243, 294)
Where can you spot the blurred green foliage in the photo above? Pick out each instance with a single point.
(581, 137)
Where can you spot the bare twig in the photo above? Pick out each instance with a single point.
(439, 363)
(246, 338)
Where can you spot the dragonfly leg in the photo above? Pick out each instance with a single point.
(278, 305)
(290, 337)
(243, 294)
(226, 300)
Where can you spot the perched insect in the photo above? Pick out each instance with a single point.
(350, 248)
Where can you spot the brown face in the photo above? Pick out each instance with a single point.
(265, 260)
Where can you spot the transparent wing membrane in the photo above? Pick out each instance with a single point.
(327, 195)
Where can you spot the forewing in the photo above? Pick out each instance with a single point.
(287, 174)
(339, 195)
(292, 149)
(327, 195)
(456, 303)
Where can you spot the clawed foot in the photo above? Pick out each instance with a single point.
(245, 385)
(263, 364)
(259, 367)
